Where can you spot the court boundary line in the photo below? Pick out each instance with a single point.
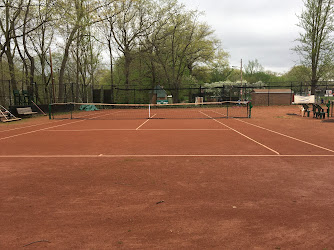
(43, 129)
(34, 125)
(131, 129)
(45, 123)
(272, 150)
(35, 131)
(151, 156)
(290, 137)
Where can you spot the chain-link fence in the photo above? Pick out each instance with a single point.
(72, 92)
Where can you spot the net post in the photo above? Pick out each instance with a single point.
(72, 108)
(227, 110)
(149, 111)
(50, 110)
(250, 109)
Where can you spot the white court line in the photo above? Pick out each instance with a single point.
(168, 156)
(186, 129)
(7, 130)
(34, 131)
(121, 129)
(91, 130)
(290, 137)
(145, 122)
(242, 134)
(46, 123)
(38, 130)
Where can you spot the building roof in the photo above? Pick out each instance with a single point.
(272, 91)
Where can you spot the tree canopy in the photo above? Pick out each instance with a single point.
(316, 45)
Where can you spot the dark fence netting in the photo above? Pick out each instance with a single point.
(25, 94)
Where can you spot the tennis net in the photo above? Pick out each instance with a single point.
(206, 110)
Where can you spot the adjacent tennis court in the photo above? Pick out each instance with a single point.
(197, 181)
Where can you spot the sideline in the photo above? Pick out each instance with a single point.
(272, 150)
(290, 137)
(43, 129)
(34, 125)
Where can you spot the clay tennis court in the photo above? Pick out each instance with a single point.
(265, 182)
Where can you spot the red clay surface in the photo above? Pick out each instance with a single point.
(265, 182)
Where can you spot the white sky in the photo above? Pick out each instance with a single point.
(254, 29)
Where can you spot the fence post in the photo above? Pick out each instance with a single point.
(245, 94)
(10, 93)
(112, 92)
(291, 93)
(92, 90)
(268, 95)
(72, 92)
(102, 95)
(65, 89)
(134, 95)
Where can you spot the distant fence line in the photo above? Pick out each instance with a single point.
(73, 92)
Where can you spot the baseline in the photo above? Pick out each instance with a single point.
(160, 156)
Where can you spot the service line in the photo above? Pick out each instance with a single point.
(43, 129)
(131, 129)
(34, 125)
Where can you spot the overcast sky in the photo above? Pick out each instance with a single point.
(254, 29)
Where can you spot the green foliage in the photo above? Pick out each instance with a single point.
(299, 73)
(220, 70)
(253, 67)
(316, 46)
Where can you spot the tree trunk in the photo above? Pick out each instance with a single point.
(11, 67)
(127, 75)
(64, 62)
(313, 86)
(111, 71)
(314, 80)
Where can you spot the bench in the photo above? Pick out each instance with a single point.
(25, 111)
(318, 111)
(305, 109)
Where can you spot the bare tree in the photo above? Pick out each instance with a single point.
(106, 26)
(183, 42)
(9, 16)
(42, 39)
(132, 21)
